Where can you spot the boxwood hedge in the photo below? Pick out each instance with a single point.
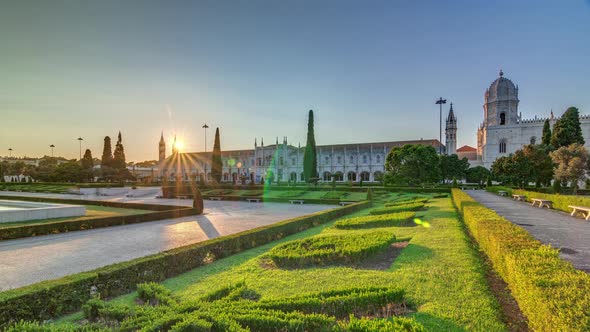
(397, 208)
(551, 293)
(373, 221)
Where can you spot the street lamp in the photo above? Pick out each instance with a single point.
(10, 152)
(52, 146)
(80, 139)
(205, 126)
(440, 102)
(239, 166)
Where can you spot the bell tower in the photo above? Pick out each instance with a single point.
(451, 132)
(162, 148)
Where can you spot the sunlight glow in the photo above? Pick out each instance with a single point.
(179, 145)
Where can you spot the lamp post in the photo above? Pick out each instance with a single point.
(9, 152)
(440, 102)
(52, 146)
(239, 166)
(205, 126)
(80, 139)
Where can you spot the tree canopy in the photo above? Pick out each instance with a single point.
(529, 164)
(567, 129)
(412, 165)
(478, 174)
(452, 167)
(572, 164)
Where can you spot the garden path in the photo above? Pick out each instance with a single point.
(560, 230)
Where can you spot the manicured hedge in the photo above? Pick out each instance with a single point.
(560, 202)
(329, 250)
(422, 200)
(552, 294)
(53, 298)
(397, 208)
(373, 221)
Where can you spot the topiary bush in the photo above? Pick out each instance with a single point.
(373, 221)
(397, 208)
(329, 250)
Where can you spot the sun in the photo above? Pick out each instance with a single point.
(179, 145)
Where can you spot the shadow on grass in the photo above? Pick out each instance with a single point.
(411, 254)
(433, 323)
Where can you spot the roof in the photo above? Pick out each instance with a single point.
(466, 148)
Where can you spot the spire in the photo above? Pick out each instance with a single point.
(262, 141)
(162, 137)
(451, 117)
(277, 143)
(255, 143)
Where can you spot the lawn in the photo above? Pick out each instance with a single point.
(92, 212)
(442, 275)
(37, 187)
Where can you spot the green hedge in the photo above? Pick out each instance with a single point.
(422, 200)
(328, 250)
(551, 293)
(397, 208)
(374, 221)
(53, 298)
(560, 202)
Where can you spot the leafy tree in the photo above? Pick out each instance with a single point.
(567, 129)
(546, 133)
(310, 162)
(216, 163)
(452, 167)
(412, 164)
(572, 164)
(530, 164)
(119, 154)
(541, 165)
(87, 161)
(477, 174)
(70, 171)
(107, 154)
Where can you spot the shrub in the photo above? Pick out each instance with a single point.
(154, 293)
(551, 293)
(423, 200)
(440, 196)
(373, 221)
(397, 208)
(560, 202)
(327, 250)
(396, 324)
(91, 309)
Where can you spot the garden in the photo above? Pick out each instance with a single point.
(357, 272)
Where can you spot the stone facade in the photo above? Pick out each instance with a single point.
(284, 162)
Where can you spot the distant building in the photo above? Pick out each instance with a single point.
(468, 152)
(284, 162)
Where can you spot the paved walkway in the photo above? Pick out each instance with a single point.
(570, 235)
(30, 260)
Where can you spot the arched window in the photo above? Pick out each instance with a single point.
(302, 177)
(351, 176)
(338, 176)
(364, 159)
(365, 176)
(502, 118)
(327, 176)
(225, 176)
(502, 146)
(378, 159)
(339, 159)
(293, 176)
(281, 161)
(293, 162)
(533, 140)
(327, 160)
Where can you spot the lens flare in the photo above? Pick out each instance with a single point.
(424, 224)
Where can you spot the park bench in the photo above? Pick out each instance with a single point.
(502, 193)
(345, 203)
(181, 197)
(296, 201)
(585, 211)
(215, 198)
(521, 198)
(541, 202)
(253, 200)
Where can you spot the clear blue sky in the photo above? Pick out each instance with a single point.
(371, 70)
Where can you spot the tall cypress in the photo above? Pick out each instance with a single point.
(87, 162)
(107, 154)
(546, 133)
(216, 164)
(567, 129)
(310, 161)
(119, 154)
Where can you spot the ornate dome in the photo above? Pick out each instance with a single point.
(501, 89)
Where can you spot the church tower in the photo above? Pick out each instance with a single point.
(451, 132)
(162, 148)
(501, 103)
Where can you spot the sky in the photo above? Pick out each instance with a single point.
(370, 70)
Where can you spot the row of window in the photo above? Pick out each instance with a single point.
(504, 142)
(268, 160)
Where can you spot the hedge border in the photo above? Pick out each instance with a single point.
(52, 298)
(160, 212)
(551, 293)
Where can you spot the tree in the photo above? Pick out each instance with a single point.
(541, 169)
(572, 164)
(310, 162)
(107, 154)
(216, 163)
(478, 174)
(412, 164)
(119, 154)
(87, 161)
(529, 164)
(567, 129)
(452, 167)
(70, 171)
(546, 133)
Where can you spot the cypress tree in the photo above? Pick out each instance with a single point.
(310, 162)
(107, 154)
(119, 154)
(546, 133)
(216, 164)
(567, 129)
(87, 161)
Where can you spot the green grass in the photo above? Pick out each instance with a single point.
(92, 212)
(36, 187)
(440, 272)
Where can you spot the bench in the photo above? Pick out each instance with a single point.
(181, 197)
(345, 203)
(502, 193)
(215, 198)
(541, 202)
(585, 211)
(253, 200)
(521, 198)
(296, 201)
